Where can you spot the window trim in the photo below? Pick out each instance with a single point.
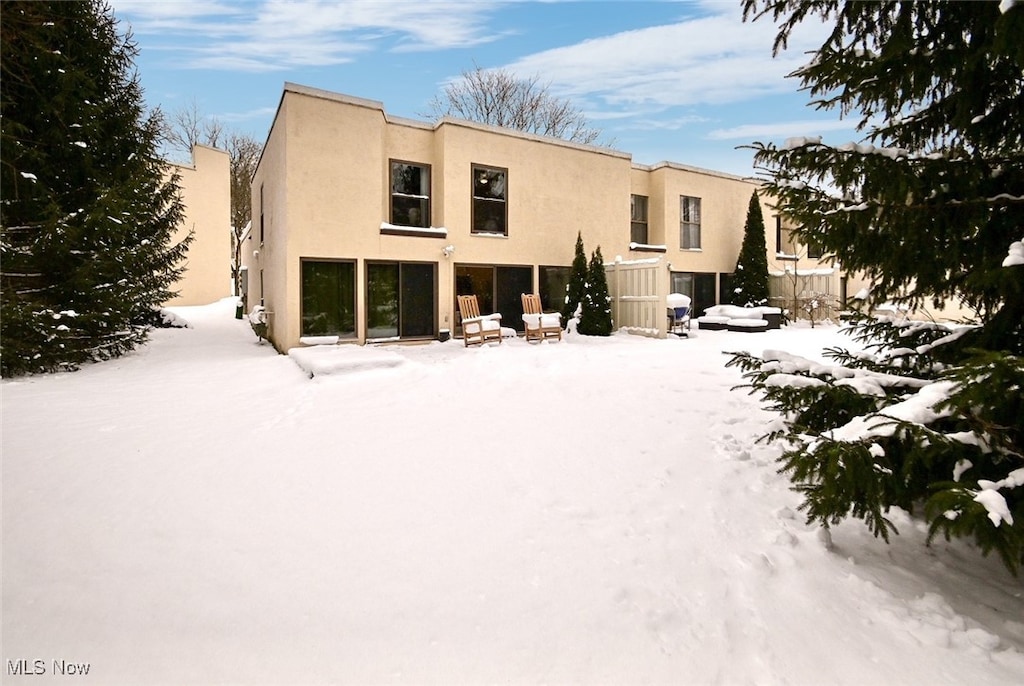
(635, 223)
(474, 169)
(686, 224)
(411, 230)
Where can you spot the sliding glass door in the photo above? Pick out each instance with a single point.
(497, 289)
(401, 300)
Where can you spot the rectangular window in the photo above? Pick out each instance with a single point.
(261, 214)
(490, 200)
(553, 284)
(401, 299)
(778, 233)
(689, 223)
(328, 298)
(814, 251)
(410, 194)
(638, 219)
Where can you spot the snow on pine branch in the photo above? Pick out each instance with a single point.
(919, 409)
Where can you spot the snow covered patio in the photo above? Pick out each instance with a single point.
(201, 511)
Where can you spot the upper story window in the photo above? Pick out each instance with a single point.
(638, 219)
(814, 251)
(490, 200)
(689, 223)
(410, 194)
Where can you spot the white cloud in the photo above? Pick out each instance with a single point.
(283, 34)
(258, 113)
(713, 59)
(784, 129)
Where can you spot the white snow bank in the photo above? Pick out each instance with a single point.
(324, 360)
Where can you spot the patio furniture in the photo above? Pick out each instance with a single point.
(678, 314)
(726, 317)
(540, 325)
(477, 328)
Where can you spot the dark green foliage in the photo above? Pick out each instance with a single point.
(989, 402)
(928, 203)
(894, 426)
(596, 315)
(577, 282)
(87, 216)
(750, 281)
(926, 206)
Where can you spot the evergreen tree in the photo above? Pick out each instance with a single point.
(928, 206)
(750, 281)
(928, 203)
(577, 285)
(87, 218)
(596, 314)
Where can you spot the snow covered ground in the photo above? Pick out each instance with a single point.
(591, 511)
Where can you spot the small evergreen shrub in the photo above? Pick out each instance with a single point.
(596, 314)
(577, 285)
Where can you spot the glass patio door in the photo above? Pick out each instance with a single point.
(401, 300)
(497, 289)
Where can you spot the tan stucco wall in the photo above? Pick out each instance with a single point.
(206, 194)
(325, 179)
(724, 202)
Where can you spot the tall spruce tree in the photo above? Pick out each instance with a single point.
(87, 218)
(577, 285)
(750, 281)
(596, 313)
(927, 205)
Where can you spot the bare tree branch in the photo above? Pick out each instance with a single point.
(500, 98)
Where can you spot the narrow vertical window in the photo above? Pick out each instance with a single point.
(490, 200)
(261, 214)
(410, 194)
(638, 219)
(778, 233)
(689, 223)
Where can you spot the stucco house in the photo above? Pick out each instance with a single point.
(366, 226)
(206, 193)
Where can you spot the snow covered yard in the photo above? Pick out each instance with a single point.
(590, 511)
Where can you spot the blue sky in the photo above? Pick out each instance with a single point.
(680, 81)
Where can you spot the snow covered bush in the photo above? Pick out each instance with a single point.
(163, 318)
(900, 425)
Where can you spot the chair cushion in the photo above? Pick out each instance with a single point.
(534, 321)
(485, 324)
